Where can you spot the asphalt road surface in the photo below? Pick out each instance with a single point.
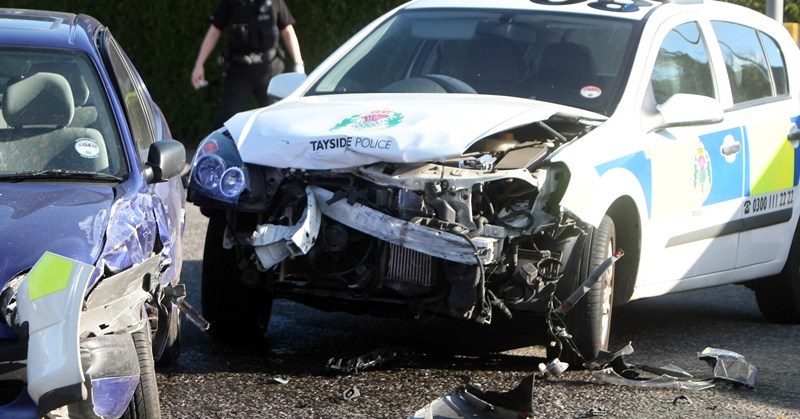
(285, 375)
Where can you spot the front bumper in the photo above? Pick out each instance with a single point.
(75, 351)
(274, 243)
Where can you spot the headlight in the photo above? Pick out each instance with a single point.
(217, 169)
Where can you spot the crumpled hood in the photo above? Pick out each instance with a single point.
(63, 218)
(339, 131)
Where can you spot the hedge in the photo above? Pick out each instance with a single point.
(162, 38)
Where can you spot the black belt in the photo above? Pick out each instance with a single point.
(253, 58)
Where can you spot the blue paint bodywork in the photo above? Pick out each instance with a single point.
(112, 225)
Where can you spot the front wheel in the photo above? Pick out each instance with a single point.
(234, 310)
(589, 321)
(145, 403)
(778, 296)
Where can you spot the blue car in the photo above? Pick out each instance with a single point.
(91, 220)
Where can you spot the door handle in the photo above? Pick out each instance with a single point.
(794, 137)
(731, 149)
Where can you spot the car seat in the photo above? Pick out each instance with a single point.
(565, 68)
(38, 110)
(85, 112)
(495, 67)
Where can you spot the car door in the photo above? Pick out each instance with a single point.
(757, 79)
(697, 170)
(146, 126)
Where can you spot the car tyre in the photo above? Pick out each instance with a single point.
(778, 296)
(172, 348)
(234, 310)
(145, 403)
(589, 321)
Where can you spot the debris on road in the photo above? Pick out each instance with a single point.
(351, 393)
(277, 380)
(728, 366)
(471, 402)
(372, 359)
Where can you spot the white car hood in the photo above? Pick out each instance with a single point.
(341, 131)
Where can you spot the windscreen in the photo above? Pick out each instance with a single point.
(570, 59)
(55, 117)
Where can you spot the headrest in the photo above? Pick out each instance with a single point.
(495, 59)
(70, 70)
(41, 99)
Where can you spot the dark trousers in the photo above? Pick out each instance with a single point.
(242, 83)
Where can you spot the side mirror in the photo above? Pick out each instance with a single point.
(165, 159)
(683, 109)
(284, 84)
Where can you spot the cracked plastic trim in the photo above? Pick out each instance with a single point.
(274, 243)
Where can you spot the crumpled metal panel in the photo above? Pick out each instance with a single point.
(430, 241)
(131, 232)
(114, 306)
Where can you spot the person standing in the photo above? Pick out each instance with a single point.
(252, 55)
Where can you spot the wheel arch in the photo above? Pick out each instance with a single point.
(628, 228)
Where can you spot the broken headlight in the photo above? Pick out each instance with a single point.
(217, 169)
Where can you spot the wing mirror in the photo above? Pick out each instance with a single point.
(284, 84)
(683, 109)
(165, 159)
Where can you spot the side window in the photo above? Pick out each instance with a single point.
(682, 65)
(745, 61)
(776, 64)
(134, 96)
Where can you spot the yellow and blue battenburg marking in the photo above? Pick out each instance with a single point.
(756, 160)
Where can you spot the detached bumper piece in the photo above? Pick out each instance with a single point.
(50, 302)
(80, 355)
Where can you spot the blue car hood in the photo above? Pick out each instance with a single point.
(67, 219)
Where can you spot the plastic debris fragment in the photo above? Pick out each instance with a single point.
(471, 402)
(372, 359)
(730, 366)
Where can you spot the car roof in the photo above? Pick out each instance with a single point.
(48, 29)
(624, 9)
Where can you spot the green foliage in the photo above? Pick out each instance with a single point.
(162, 38)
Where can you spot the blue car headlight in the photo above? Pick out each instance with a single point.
(217, 169)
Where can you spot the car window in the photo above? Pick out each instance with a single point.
(745, 61)
(776, 64)
(55, 115)
(136, 100)
(682, 65)
(576, 60)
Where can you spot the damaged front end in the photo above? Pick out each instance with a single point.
(85, 334)
(462, 237)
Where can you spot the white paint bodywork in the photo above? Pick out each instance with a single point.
(438, 127)
(433, 127)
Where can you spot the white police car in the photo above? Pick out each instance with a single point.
(482, 158)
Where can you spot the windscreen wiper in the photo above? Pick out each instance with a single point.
(59, 174)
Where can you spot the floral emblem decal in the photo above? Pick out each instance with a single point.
(372, 120)
(702, 173)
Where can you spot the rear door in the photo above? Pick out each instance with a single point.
(757, 78)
